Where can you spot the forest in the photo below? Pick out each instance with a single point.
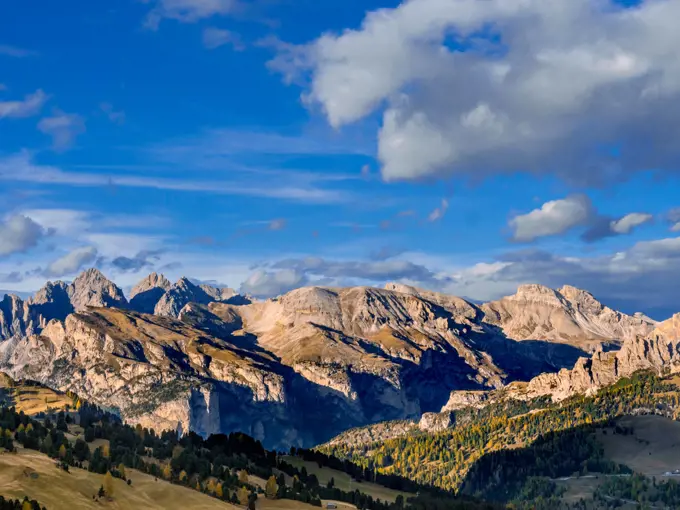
(493, 454)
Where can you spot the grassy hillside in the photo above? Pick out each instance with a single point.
(499, 452)
(344, 482)
(36, 475)
(31, 397)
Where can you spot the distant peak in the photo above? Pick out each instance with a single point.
(91, 274)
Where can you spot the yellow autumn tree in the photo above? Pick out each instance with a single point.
(218, 491)
(62, 451)
(243, 496)
(183, 476)
(106, 450)
(272, 488)
(108, 484)
(26, 505)
(210, 486)
(121, 470)
(167, 472)
(243, 476)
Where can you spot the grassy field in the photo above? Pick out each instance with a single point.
(58, 490)
(32, 398)
(652, 449)
(343, 481)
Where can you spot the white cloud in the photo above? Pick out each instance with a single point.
(31, 105)
(439, 212)
(72, 262)
(188, 11)
(62, 221)
(626, 224)
(263, 283)
(215, 37)
(63, 128)
(19, 234)
(554, 217)
(676, 227)
(538, 88)
(282, 186)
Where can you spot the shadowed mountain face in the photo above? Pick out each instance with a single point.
(298, 369)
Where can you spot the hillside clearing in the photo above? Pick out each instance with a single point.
(653, 449)
(344, 482)
(58, 490)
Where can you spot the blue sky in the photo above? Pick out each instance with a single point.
(271, 144)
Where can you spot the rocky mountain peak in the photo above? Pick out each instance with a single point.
(536, 293)
(146, 294)
(153, 281)
(92, 288)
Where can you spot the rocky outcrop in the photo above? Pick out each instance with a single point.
(568, 315)
(435, 422)
(659, 351)
(462, 399)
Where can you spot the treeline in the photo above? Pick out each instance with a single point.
(462, 458)
(17, 504)
(640, 489)
(218, 466)
(522, 474)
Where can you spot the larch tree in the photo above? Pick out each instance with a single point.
(108, 484)
(272, 488)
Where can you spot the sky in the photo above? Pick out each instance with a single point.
(464, 146)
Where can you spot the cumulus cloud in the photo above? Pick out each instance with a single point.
(31, 105)
(215, 37)
(284, 275)
(554, 217)
(560, 216)
(633, 280)
(264, 283)
(439, 212)
(72, 262)
(143, 259)
(673, 217)
(626, 224)
(188, 11)
(19, 234)
(537, 86)
(63, 128)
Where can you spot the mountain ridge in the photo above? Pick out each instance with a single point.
(356, 355)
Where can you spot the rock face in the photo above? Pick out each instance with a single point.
(304, 367)
(568, 315)
(659, 351)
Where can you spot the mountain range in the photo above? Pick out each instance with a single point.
(310, 364)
